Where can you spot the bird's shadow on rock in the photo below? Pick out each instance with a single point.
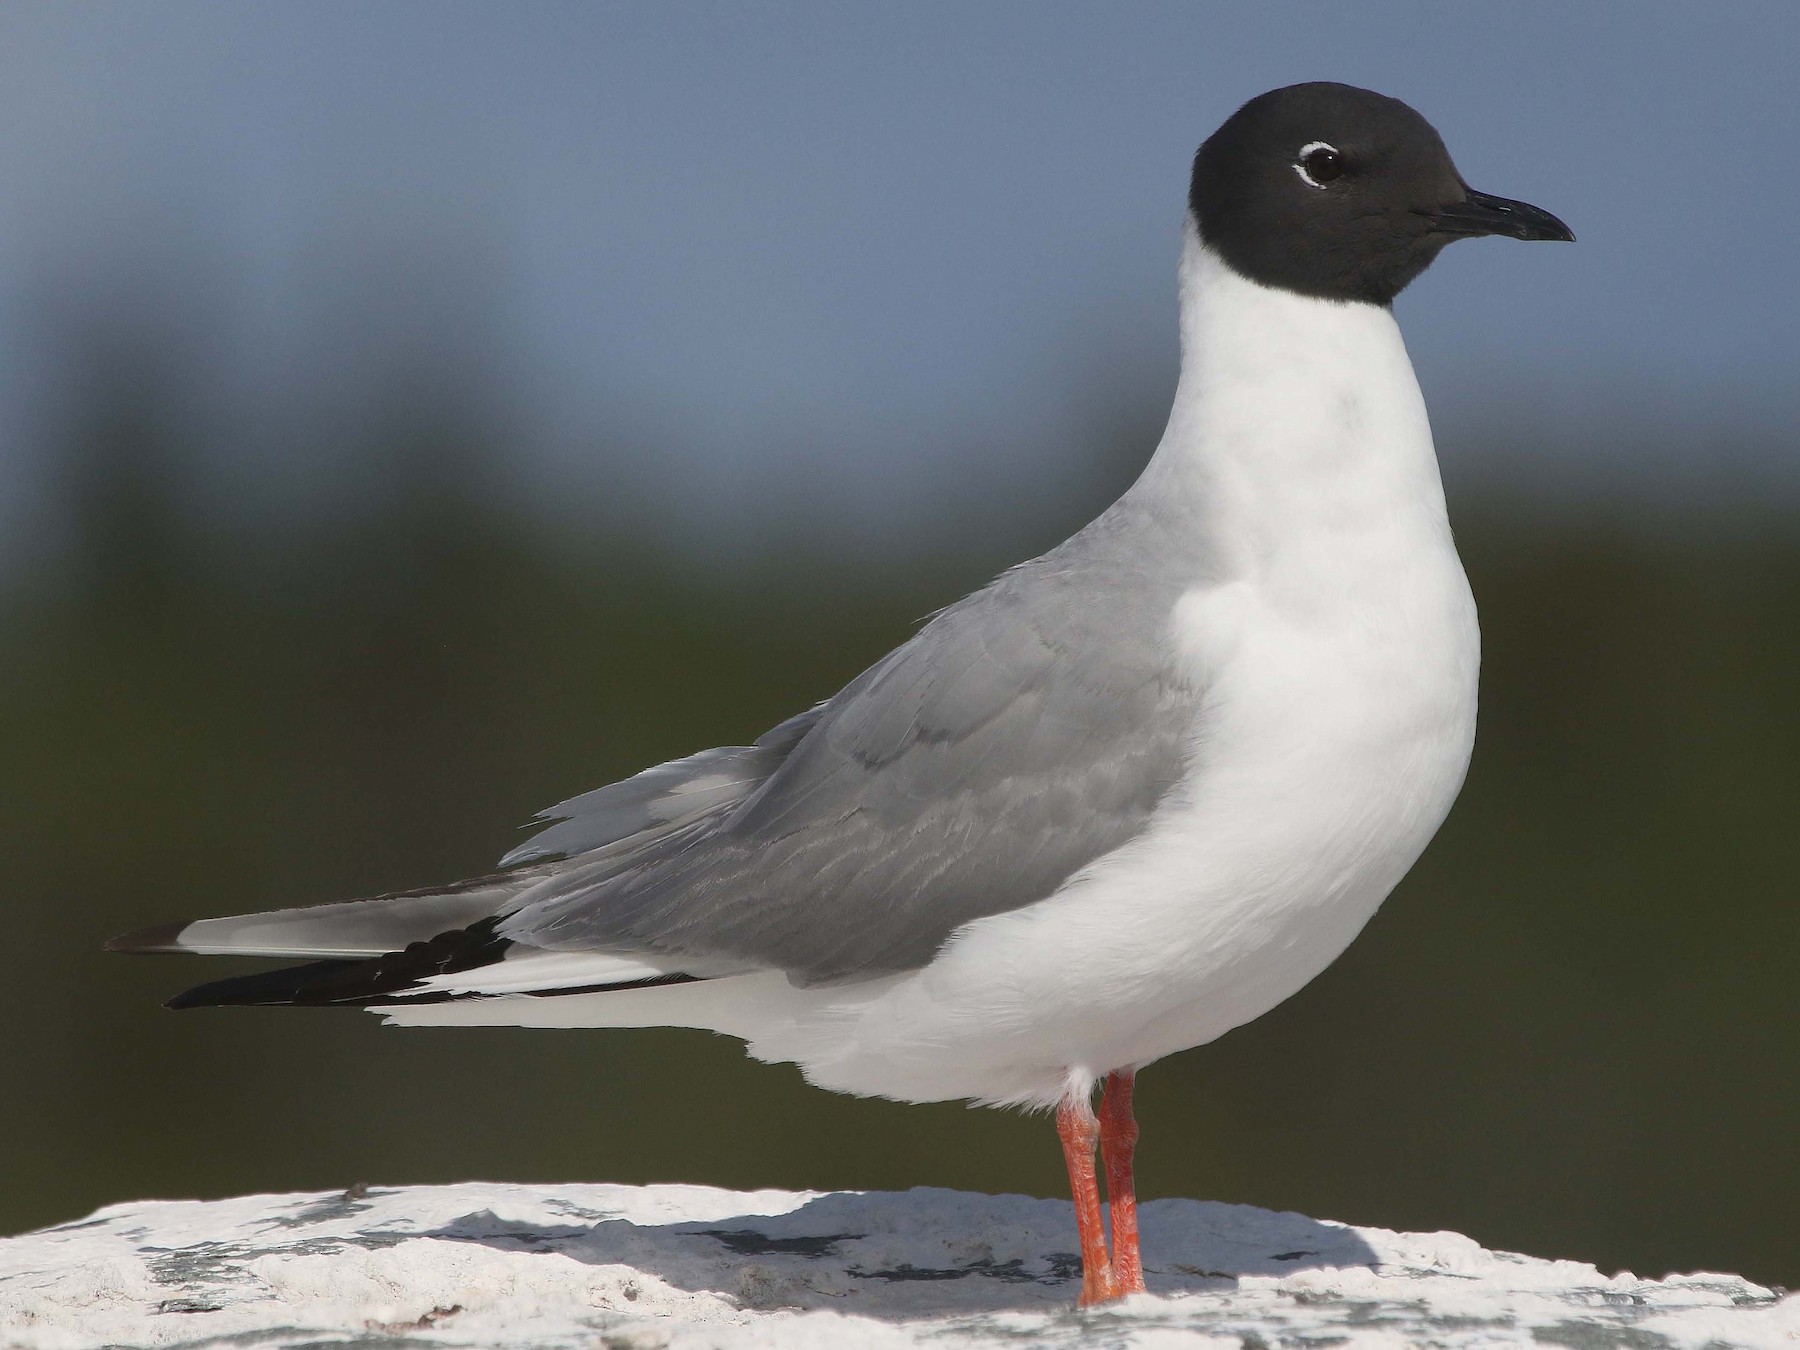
(925, 1253)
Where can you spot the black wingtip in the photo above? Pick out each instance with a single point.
(356, 983)
(292, 984)
(156, 940)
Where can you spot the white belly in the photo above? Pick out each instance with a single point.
(1332, 747)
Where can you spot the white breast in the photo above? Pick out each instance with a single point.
(1334, 634)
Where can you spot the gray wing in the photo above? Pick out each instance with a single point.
(650, 804)
(1023, 733)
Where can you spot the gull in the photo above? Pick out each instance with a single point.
(1129, 795)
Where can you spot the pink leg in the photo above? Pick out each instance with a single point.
(1080, 1132)
(1118, 1142)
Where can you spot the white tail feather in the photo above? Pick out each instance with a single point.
(525, 971)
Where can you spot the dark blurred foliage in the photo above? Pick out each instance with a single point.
(1572, 1031)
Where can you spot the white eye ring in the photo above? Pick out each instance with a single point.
(1300, 161)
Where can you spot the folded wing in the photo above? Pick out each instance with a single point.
(1022, 734)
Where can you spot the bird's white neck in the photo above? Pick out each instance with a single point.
(1294, 418)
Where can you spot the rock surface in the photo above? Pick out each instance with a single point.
(687, 1266)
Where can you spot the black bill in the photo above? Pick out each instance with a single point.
(1481, 214)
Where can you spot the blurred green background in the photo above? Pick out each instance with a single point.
(1571, 1031)
(305, 595)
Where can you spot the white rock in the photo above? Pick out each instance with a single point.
(643, 1268)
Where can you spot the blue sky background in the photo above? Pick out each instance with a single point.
(748, 261)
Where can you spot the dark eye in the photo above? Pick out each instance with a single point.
(1319, 163)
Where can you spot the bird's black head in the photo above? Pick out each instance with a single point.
(1341, 193)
